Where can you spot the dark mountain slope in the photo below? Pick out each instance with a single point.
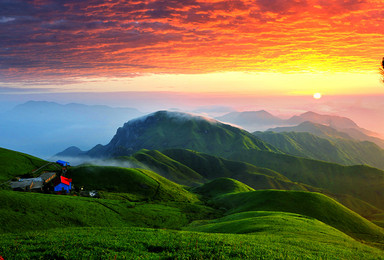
(362, 182)
(212, 167)
(337, 150)
(165, 130)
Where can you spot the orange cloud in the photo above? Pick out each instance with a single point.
(47, 40)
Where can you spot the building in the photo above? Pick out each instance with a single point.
(63, 163)
(62, 184)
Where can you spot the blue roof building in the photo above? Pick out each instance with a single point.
(63, 163)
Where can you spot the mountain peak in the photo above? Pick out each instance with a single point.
(167, 130)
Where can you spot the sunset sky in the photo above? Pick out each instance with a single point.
(238, 47)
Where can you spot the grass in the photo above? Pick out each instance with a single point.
(167, 167)
(144, 243)
(212, 167)
(17, 164)
(362, 182)
(337, 150)
(310, 204)
(21, 212)
(221, 186)
(136, 184)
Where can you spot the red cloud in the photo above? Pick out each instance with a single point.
(46, 39)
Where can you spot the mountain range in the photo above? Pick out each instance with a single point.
(42, 128)
(262, 120)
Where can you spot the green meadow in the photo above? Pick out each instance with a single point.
(143, 215)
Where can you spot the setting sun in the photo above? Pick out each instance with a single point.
(317, 95)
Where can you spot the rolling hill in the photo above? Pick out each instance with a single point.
(212, 167)
(17, 164)
(136, 184)
(310, 204)
(359, 181)
(330, 149)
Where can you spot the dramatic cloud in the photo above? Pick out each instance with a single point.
(51, 39)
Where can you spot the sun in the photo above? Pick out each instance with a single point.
(317, 95)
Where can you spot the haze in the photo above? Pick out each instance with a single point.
(209, 57)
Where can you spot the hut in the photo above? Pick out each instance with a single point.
(63, 184)
(63, 163)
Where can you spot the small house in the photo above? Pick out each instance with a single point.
(47, 176)
(63, 163)
(27, 184)
(63, 184)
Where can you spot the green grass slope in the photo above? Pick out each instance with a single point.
(136, 184)
(310, 204)
(166, 167)
(281, 223)
(362, 182)
(212, 167)
(165, 130)
(144, 243)
(21, 212)
(221, 186)
(17, 164)
(337, 150)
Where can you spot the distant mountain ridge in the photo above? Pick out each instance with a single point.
(250, 119)
(330, 147)
(329, 132)
(262, 120)
(42, 128)
(165, 130)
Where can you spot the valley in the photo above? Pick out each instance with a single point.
(175, 185)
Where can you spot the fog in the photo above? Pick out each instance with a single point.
(55, 122)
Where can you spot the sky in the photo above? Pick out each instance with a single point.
(196, 50)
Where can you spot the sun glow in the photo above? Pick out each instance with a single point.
(317, 95)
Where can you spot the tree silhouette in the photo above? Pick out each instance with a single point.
(382, 70)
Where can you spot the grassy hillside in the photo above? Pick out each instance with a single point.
(337, 150)
(212, 167)
(166, 130)
(144, 243)
(16, 164)
(166, 167)
(310, 204)
(22, 212)
(282, 223)
(362, 182)
(221, 186)
(136, 184)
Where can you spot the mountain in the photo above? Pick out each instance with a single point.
(212, 167)
(359, 181)
(251, 119)
(330, 149)
(165, 130)
(43, 128)
(336, 122)
(330, 132)
(342, 124)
